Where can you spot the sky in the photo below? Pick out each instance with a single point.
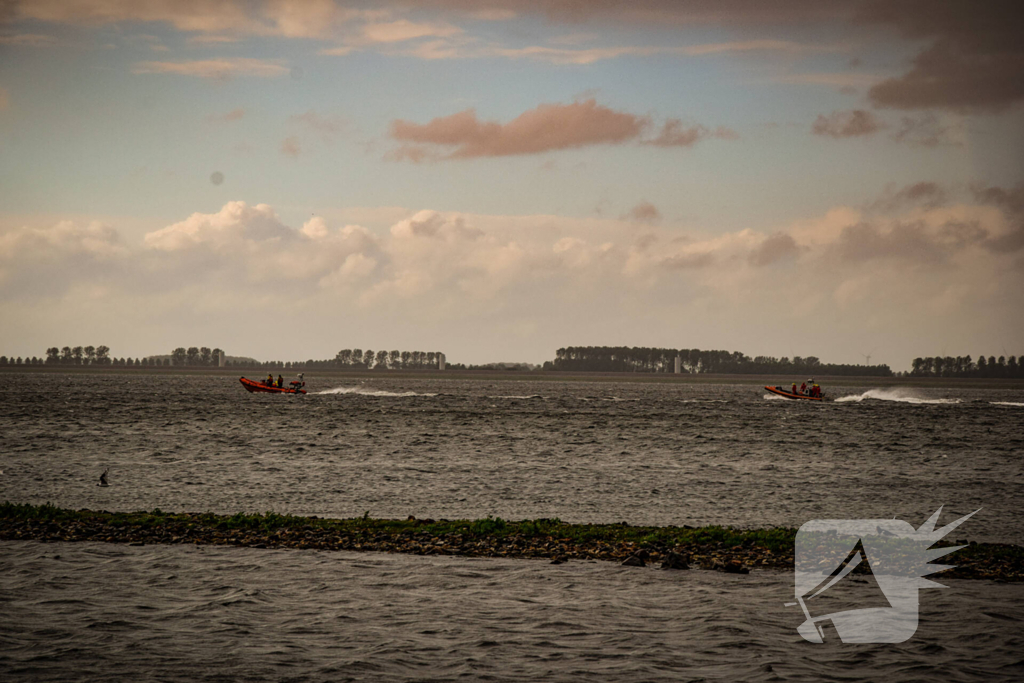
(495, 180)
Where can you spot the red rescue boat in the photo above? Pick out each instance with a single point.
(252, 385)
(789, 394)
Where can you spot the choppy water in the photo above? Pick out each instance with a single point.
(581, 451)
(105, 612)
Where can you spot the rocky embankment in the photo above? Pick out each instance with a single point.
(715, 548)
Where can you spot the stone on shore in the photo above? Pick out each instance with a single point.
(675, 561)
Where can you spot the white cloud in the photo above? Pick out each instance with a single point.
(95, 240)
(219, 69)
(29, 40)
(403, 30)
(904, 270)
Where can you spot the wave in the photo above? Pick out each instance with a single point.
(362, 391)
(774, 397)
(519, 398)
(1007, 403)
(897, 395)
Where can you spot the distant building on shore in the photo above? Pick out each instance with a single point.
(440, 361)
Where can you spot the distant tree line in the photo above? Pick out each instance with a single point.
(79, 356)
(73, 355)
(697, 362)
(195, 356)
(965, 366)
(203, 356)
(357, 359)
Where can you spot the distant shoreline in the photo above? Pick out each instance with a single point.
(540, 376)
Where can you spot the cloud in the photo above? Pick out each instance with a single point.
(846, 124)
(774, 248)
(549, 127)
(686, 261)
(925, 131)
(65, 238)
(905, 242)
(285, 18)
(235, 223)
(212, 40)
(29, 40)
(341, 51)
(39, 261)
(651, 12)
(644, 212)
(327, 126)
(841, 81)
(762, 45)
(403, 30)
(305, 18)
(1012, 203)
(291, 147)
(918, 266)
(1011, 200)
(546, 128)
(219, 16)
(975, 62)
(220, 69)
(673, 134)
(925, 194)
(474, 49)
(233, 115)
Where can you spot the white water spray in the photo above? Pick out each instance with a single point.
(370, 392)
(896, 395)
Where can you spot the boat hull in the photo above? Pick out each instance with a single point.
(797, 397)
(260, 388)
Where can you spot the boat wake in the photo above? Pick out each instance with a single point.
(774, 397)
(526, 397)
(896, 395)
(363, 391)
(1007, 403)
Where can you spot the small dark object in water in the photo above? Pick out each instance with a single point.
(103, 478)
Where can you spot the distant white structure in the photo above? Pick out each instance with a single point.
(221, 359)
(679, 365)
(440, 361)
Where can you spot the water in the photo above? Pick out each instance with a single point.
(583, 452)
(580, 451)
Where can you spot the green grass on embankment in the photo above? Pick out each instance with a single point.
(711, 547)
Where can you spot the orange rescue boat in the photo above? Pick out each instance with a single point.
(253, 386)
(789, 394)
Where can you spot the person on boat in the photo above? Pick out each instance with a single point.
(794, 387)
(280, 381)
(815, 389)
(270, 379)
(803, 388)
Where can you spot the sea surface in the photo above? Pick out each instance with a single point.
(642, 453)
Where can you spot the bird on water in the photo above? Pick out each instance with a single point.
(103, 478)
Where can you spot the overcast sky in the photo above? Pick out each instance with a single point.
(495, 180)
